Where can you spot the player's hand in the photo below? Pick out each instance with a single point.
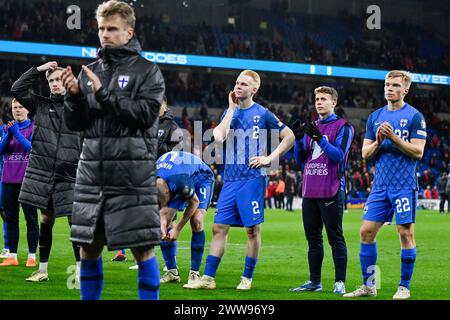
(312, 130)
(10, 124)
(69, 81)
(173, 234)
(258, 162)
(380, 136)
(96, 83)
(387, 130)
(232, 100)
(51, 65)
(163, 228)
(299, 129)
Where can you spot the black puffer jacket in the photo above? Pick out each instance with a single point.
(116, 179)
(50, 176)
(169, 133)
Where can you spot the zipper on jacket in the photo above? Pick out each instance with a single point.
(57, 141)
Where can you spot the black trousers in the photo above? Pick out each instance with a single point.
(289, 202)
(444, 197)
(10, 196)
(317, 213)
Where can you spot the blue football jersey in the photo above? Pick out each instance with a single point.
(182, 171)
(394, 169)
(251, 129)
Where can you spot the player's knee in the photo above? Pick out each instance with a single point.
(367, 235)
(405, 235)
(218, 230)
(197, 223)
(252, 233)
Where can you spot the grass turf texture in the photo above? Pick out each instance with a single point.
(282, 263)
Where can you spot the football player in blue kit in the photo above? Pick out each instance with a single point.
(184, 181)
(395, 138)
(245, 126)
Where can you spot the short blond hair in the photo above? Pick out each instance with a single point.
(327, 90)
(112, 7)
(49, 72)
(405, 75)
(252, 74)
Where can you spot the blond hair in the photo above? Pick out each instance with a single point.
(327, 90)
(252, 74)
(112, 7)
(405, 75)
(49, 72)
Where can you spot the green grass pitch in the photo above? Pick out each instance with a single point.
(282, 263)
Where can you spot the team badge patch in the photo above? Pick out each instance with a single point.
(256, 119)
(403, 122)
(123, 81)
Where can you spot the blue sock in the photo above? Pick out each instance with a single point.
(250, 264)
(5, 235)
(212, 263)
(123, 251)
(169, 249)
(197, 248)
(148, 279)
(408, 259)
(368, 260)
(91, 279)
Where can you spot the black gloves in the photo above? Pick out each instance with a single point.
(298, 129)
(312, 130)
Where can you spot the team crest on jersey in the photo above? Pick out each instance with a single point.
(256, 119)
(403, 122)
(317, 150)
(160, 133)
(123, 81)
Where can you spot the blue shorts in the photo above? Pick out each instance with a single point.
(241, 203)
(204, 192)
(382, 204)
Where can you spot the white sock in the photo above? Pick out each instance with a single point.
(43, 266)
(32, 256)
(13, 255)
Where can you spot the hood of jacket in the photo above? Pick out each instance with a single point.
(133, 47)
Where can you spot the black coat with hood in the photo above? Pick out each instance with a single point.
(116, 177)
(50, 175)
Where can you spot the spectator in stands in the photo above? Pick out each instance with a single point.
(435, 193)
(442, 184)
(427, 193)
(290, 189)
(447, 190)
(279, 193)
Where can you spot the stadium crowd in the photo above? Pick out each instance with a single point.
(280, 36)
